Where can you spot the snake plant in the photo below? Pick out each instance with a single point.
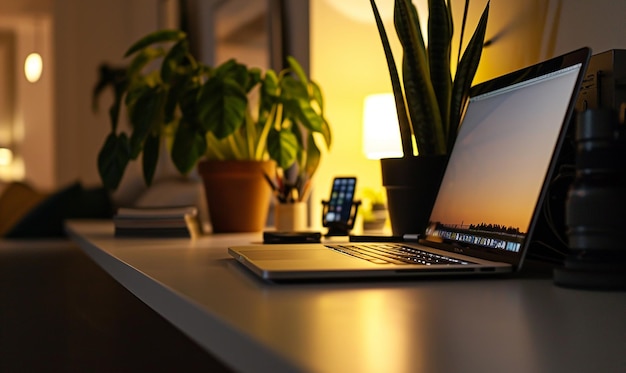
(429, 102)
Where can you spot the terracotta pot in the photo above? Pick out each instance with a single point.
(412, 184)
(237, 193)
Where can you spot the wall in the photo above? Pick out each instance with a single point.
(348, 61)
(89, 33)
(27, 124)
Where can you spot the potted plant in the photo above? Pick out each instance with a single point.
(211, 115)
(429, 105)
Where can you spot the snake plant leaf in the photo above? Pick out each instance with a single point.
(146, 116)
(439, 51)
(188, 146)
(159, 36)
(224, 105)
(403, 118)
(113, 159)
(420, 96)
(150, 156)
(283, 147)
(465, 74)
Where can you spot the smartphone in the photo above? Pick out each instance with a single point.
(341, 199)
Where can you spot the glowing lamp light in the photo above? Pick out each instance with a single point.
(6, 157)
(33, 67)
(381, 133)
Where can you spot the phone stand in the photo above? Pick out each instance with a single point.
(339, 228)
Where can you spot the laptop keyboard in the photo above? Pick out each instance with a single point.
(386, 253)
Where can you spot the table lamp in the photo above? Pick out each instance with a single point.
(381, 133)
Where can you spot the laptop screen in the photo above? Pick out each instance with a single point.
(501, 160)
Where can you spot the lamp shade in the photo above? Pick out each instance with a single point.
(381, 133)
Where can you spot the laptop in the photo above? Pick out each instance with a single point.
(490, 196)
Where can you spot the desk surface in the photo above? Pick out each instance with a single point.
(460, 325)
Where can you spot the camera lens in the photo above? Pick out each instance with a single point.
(596, 204)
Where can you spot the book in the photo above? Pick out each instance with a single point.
(175, 221)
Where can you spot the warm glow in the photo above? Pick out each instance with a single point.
(33, 67)
(381, 133)
(6, 157)
(361, 11)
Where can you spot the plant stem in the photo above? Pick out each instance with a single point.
(264, 132)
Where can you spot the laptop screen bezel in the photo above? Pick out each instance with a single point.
(580, 56)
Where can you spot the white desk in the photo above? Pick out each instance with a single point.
(484, 325)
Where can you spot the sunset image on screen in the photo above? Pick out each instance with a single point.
(501, 157)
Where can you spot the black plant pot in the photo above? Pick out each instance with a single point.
(412, 184)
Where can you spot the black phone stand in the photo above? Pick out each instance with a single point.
(339, 228)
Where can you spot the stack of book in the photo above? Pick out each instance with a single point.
(179, 221)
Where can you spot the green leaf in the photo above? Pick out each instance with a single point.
(189, 146)
(224, 105)
(439, 51)
(317, 95)
(326, 133)
(291, 88)
(155, 37)
(113, 159)
(465, 75)
(313, 156)
(283, 147)
(146, 116)
(297, 69)
(306, 115)
(269, 92)
(403, 119)
(114, 110)
(173, 60)
(150, 157)
(255, 76)
(142, 59)
(232, 70)
(420, 95)
(187, 97)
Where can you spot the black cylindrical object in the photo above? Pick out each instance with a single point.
(595, 213)
(596, 202)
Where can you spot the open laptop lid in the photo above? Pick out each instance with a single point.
(503, 159)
